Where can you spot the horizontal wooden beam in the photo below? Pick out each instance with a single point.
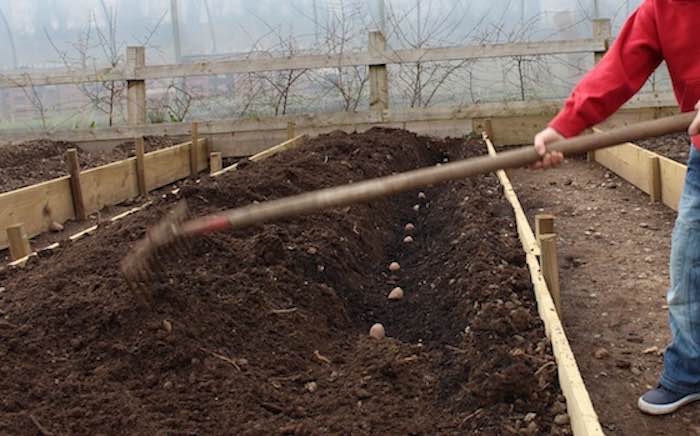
(262, 64)
(244, 137)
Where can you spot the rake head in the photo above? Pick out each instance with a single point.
(166, 238)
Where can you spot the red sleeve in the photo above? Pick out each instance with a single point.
(634, 55)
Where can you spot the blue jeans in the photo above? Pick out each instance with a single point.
(682, 358)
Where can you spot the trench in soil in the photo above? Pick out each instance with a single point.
(264, 330)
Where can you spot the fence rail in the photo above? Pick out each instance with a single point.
(258, 64)
(376, 58)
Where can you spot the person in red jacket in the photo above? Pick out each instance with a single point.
(658, 30)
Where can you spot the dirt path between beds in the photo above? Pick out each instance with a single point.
(613, 251)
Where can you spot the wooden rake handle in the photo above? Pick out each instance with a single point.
(385, 186)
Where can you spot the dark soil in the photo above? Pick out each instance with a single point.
(675, 146)
(42, 160)
(264, 331)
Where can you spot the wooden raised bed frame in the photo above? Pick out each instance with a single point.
(172, 164)
(584, 420)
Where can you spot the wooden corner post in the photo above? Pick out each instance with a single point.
(194, 150)
(215, 162)
(141, 165)
(549, 261)
(75, 186)
(19, 243)
(544, 224)
(655, 179)
(291, 130)
(602, 29)
(136, 89)
(378, 75)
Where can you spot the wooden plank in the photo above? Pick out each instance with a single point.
(75, 184)
(584, 420)
(672, 175)
(112, 184)
(632, 163)
(167, 165)
(141, 72)
(287, 145)
(19, 244)
(223, 171)
(508, 113)
(140, 165)
(628, 161)
(36, 206)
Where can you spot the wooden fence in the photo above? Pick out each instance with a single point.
(376, 58)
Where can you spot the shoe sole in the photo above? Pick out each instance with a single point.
(665, 409)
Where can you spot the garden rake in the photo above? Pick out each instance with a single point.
(145, 258)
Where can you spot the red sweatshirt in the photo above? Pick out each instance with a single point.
(659, 30)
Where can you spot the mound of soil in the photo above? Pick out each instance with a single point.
(675, 146)
(264, 330)
(42, 160)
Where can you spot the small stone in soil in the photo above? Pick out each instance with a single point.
(561, 419)
(311, 387)
(601, 353)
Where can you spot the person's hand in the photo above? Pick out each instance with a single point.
(549, 158)
(694, 129)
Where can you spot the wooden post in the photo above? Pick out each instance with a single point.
(483, 125)
(215, 162)
(378, 76)
(141, 165)
(75, 185)
(550, 267)
(291, 130)
(590, 156)
(194, 150)
(602, 29)
(19, 244)
(544, 224)
(136, 89)
(488, 128)
(654, 179)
